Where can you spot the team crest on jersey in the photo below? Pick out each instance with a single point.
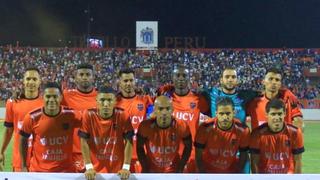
(140, 107)
(193, 105)
(173, 137)
(65, 126)
(115, 126)
(287, 142)
(43, 141)
(233, 142)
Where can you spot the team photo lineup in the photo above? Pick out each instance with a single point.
(164, 90)
(118, 127)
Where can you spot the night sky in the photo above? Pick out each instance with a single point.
(224, 23)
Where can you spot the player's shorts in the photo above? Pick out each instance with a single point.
(135, 166)
(78, 163)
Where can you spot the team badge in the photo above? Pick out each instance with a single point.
(65, 126)
(193, 105)
(233, 142)
(140, 107)
(115, 126)
(173, 137)
(287, 142)
(43, 141)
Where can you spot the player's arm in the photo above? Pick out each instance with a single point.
(124, 173)
(90, 173)
(297, 163)
(298, 122)
(23, 147)
(187, 141)
(5, 141)
(199, 152)
(142, 157)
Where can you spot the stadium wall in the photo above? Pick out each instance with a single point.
(308, 114)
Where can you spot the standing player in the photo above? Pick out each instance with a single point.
(106, 137)
(158, 140)
(52, 129)
(80, 99)
(15, 112)
(134, 105)
(218, 141)
(272, 84)
(276, 146)
(229, 82)
(187, 106)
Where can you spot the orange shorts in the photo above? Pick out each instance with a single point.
(135, 166)
(78, 163)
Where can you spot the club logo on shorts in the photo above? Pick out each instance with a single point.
(193, 105)
(140, 107)
(287, 142)
(65, 126)
(173, 137)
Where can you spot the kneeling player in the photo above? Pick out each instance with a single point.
(161, 137)
(218, 140)
(276, 147)
(106, 137)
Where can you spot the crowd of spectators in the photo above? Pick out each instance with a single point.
(57, 64)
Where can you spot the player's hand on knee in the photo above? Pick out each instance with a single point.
(124, 174)
(90, 174)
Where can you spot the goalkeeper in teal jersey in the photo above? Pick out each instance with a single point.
(229, 82)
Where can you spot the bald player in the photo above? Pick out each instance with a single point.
(158, 140)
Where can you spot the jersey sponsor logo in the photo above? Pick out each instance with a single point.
(193, 105)
(104, 140)
(277, 168)
(184, 116)
(54, 155)
(140, 107)
(136, 119)
(163, 149)
(51, 141)
(276, 156)
(222, 152)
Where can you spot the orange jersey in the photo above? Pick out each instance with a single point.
(276, 150)
(190, 108)
(52, 139)
(256, 109)
(15, 112)
(106, 139)
(136, 109)
(79, 101)
(220, 147)
(162, 145)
